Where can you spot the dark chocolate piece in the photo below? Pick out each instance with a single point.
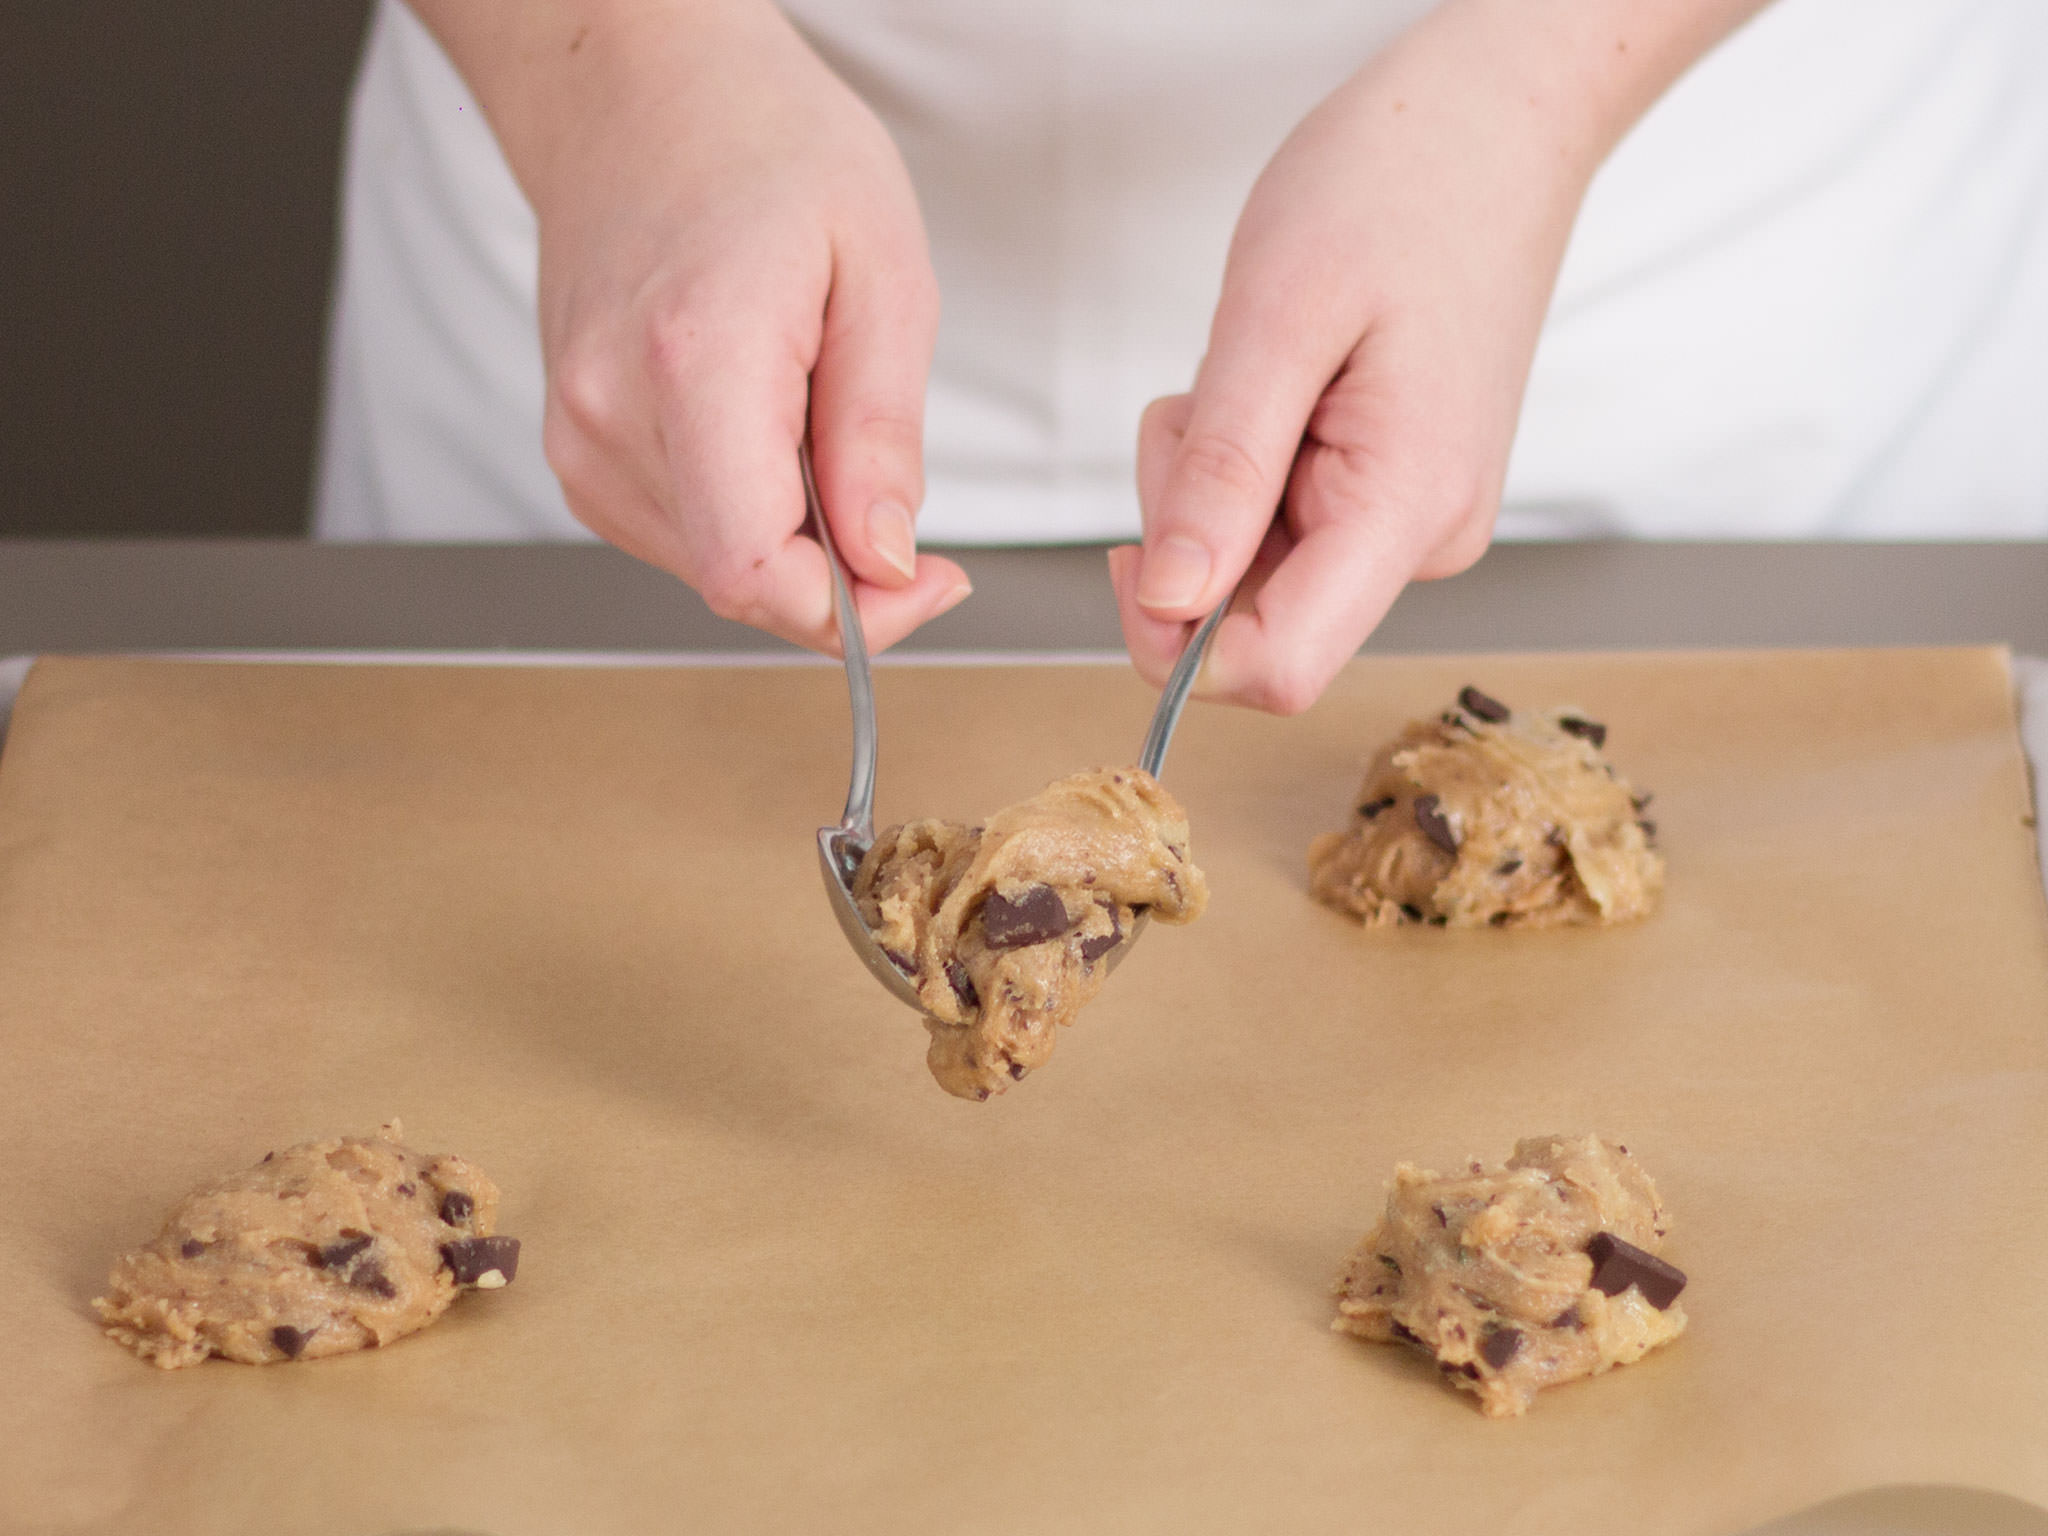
(1468, 1369)
(1405, 1334)
(475, 1259)
(1035, 917)
(1390, 1261)
(371, 1278)
(1412, 912)
(1569, 1318)
(1649, 831)
(407, 1191)
(962, 984)
(1501, 919)
(455, 1207)
(1094, 949)
(291, 1340)
(1430, 817)
(1017, 1071)
(1585, 730)
(1618, 1265)
(1441, 1219)
(901, 962)
(1509, 865)
(336, 1255)
(1372, 808)
(191, 1248)
(1491, 710)
(1500, 1346)
(1641, 802)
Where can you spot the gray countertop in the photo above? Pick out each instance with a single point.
(63, 595)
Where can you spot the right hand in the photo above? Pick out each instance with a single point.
(730, 250)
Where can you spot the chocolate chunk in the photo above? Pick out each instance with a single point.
(291, 1340)
(1509, 865)
(337, 1255)
(407, 1191)
(1094, 949)
(1491, 710)
(1618, 1265)
(1649, 831)
(1439, 921)
(962, 984)
(1501, 919)
(1390, 1261)
(1430, 817)
(1500, 1346)
(1405, 1334)
(1585, 730)
(371, 1278)
(268, 1156)
(1457, 722)
(1017, 1071)
(1467, 1369)
(1441, 1219)
(1412, 912)
(1036, 916)
(981, 1095)
(475, 1260)
(191, 1248)
(455, 1207)
(1641, 802)
(901, 962)
(1372, 808)
(1569, 1318)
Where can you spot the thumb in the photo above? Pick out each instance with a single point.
(1206, 513)
(867, 409)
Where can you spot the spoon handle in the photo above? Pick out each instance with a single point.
(859, 817)
(1174, 697)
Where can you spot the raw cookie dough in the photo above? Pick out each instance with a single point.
(319, 1249)
(1487, 816)
(1521, 1277)
(1006, 928)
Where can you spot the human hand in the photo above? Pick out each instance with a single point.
(1385, 289)
(730, 252)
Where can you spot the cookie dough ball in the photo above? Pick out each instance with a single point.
(1487, 816)
(1006, 928)
(1522, 1277)
(318, 1250)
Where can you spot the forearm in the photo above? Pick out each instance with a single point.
(550, 73)
(1570, 77)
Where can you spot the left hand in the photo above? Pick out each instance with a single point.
(1385, 289)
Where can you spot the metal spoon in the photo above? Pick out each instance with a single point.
(841, 848)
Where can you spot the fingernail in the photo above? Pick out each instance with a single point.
(1174, 573)
(954, 598)
(893, 536)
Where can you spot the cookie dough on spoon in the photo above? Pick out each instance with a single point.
(1006, 928)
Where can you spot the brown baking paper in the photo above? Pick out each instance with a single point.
(568, 923)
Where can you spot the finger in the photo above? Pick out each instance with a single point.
(867, 408)
(1269, 360)
(1351, 551)
(887, 614)
(1154, 644)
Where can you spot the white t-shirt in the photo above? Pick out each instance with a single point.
(1808, 295)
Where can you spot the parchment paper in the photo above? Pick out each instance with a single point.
(568, 923)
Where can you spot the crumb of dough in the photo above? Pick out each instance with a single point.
(1521, 1277)
(1006, 928)
(1484, 816)
(322, 1248)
